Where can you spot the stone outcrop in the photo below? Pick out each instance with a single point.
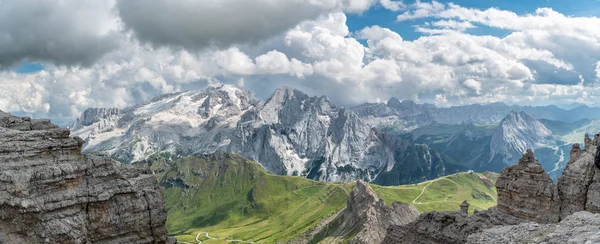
(51, 193)
(581, 227)
(464, 207)
(365, 218)
(447, 227)
(578, 182)
(527, 192)
(24, 123)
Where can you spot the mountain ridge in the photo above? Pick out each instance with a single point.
(292, 133)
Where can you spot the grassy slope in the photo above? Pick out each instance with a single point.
(445, 193)
(231, 197)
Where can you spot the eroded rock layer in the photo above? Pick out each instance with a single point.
(580, 227)
(447, 227)
(526, 191)
(51, 193)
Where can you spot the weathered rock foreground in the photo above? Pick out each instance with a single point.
(529, 207)
(51, 193)
(580, 227)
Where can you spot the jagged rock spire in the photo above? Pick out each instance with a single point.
(574, 184)
(365, 218)
(464, 207)
(587, 141)
(526, 191)
(575, 151)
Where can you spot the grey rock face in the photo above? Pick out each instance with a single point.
(447, 227)
(581, 227)
(95, 115)
(579, 181)
(366, 217)
(296, 134)
(51, 193)
(24, 123)
(289, 133)
(527, 192)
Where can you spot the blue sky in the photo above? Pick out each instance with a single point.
(27, 68)
(385, 18)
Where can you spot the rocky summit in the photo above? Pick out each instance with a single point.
(527, 192)
(51, 193)
(531, 208)
(364, 220)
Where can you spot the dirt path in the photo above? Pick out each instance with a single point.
(423, 191)
(198, 241)
(425, 188)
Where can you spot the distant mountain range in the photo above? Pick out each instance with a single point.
(407, 115)
(291, 133)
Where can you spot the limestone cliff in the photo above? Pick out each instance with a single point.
(51, 193)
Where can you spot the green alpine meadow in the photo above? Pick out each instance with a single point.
(222, 197)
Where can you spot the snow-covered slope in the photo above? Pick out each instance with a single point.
(180, 123)
(296, 134)
(517, 132)
(290, 133)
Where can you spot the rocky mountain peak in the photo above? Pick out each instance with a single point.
(575, 151)
(365, 218)
(226, 100)
(93, 115)
(394, 102)
(517, 132)
(361, 197)
(284, 93)
(406, 107)
(579, 185)
(527, 192)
